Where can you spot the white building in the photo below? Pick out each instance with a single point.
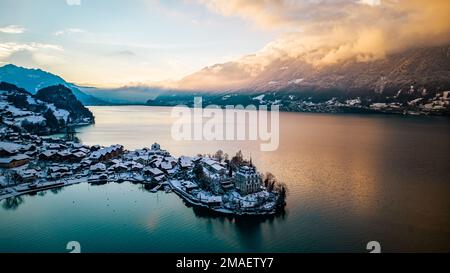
(213, 166)
(247, 180)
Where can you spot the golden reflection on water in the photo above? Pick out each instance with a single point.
(371, 167)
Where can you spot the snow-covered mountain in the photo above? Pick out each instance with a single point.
(50, 110)
(420, 68)
(33, 80)
(416, 81)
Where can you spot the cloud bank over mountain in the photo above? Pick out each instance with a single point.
(325, 32)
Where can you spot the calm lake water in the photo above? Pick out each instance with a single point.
(352, 179)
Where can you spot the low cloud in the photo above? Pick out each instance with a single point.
(73, 2)
(7, 49)
(364, 29)
(124, 53)
(69, 31)
(12, 29)
(370, 2)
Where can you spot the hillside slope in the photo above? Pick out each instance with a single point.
(34, 79)
(421, 68)
(50, 110)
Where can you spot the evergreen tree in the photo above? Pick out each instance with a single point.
(51, 120)
(200, 176)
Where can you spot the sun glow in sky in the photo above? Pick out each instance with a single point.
(116, 42)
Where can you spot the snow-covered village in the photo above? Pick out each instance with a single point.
(32, 162)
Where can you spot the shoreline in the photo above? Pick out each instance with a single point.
(20, 190)
(207, 181)
(57, 184)
(367, 113)
(191, 200)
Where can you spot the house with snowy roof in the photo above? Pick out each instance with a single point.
(8, 149)
(106, 153)
(98, 168)
(137, 166)
(118, 167)
(28, 175)
(14, 161)
(185, 162)
(213, 166)
(159, 178)
(153, 171)
(48, 155)
(165, 166)
(86, 162)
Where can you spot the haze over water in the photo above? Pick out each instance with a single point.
(352, 179)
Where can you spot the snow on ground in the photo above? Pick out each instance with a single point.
(9, 146)
(3, 181)
(414, 102)
(3, 104)
(59, 113)
(353, 101)
(296, 81)
(185, 161)
(31, 119)
(207, 197)
(378, 105)
(16, 112)
(31, 100)
(259, 98)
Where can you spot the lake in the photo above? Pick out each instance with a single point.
(352, 179)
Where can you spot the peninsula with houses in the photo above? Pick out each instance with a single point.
(32, 160)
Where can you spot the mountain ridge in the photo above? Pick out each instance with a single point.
(34, 79)
(422, 67)
(50, 110)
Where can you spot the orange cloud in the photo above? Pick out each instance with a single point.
(396, 24)
(325, 31)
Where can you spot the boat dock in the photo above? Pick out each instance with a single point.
(37, 187)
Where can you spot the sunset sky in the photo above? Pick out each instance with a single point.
(116, 42)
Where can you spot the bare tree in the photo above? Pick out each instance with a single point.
(269, 181)
(282, 190)
(237, 160)
(219, 155)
